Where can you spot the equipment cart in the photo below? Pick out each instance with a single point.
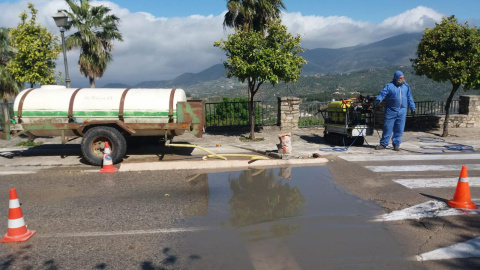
(348, 121)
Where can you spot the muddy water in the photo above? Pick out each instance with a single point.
(288, 218)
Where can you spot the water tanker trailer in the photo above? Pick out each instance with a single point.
(104, 114)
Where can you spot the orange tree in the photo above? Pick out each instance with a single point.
(450, 52)
(257, 59)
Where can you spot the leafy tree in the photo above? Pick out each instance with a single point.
(450, 52)
(36, 50)
(97, 29)
(256, 59)
(252, 15)
(9, 87)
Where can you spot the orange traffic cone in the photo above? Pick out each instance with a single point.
(107, 161)
(462, 198)
(17, 230)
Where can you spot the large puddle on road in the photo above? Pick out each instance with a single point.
(288, 218)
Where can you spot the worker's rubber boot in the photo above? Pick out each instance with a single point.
(380, 147)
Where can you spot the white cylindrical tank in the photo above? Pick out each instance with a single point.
(54, 104)
(51, 104)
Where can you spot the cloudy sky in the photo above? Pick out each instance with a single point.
(165, 38)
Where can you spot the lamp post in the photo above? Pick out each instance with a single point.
(61, 20)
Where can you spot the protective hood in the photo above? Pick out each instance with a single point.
(397, 75)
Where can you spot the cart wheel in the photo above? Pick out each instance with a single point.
(93, 144)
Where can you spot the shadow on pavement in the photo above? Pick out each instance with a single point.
(64, 150)
(313, 139)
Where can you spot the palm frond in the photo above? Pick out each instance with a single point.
(96, 31)
(252, 15)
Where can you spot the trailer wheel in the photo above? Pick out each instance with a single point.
(93, 144)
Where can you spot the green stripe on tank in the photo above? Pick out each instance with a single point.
(95, 114)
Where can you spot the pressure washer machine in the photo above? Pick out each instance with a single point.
(348, 121)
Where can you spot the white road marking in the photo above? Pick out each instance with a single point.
(466, 249)
(409, 157)
(427, 210)
(435, 182)
(10, 150)
(117, 233)
(16, 172)
(422, 168)
(91, 171)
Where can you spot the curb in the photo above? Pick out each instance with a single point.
(216, 164)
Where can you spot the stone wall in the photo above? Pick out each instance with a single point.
(468, 113)
(469, 104)
(468, 116)
(288, 113)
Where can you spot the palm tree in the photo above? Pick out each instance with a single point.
(96, 32)
(9, 87)
(252, 15)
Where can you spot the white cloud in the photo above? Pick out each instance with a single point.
(413, 20)
(339, 31)
(163, 48)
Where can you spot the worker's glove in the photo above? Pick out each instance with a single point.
(377, 103)
(412, 112)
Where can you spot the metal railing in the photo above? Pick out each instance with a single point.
(309, 115)
(236, 113)
(269, 112)
(435, 107)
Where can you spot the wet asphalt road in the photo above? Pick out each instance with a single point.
(281, 218)
(416, 235)
(190, 220)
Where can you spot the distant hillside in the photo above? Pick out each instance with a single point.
(116, 85)
(330, 73)
(394, 51)
(326, 87)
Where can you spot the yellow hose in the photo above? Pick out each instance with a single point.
(212, 155)
(252, 157)
(194, 146)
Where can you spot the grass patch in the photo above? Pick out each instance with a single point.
(29, 144)
(247, 139)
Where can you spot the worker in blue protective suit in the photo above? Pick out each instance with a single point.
(397, 95)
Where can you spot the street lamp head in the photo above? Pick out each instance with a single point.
(60, 18)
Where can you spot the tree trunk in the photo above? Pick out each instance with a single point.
(92, 82)
(251, 107)
(5, 111)
(447, 108)
(6, 126)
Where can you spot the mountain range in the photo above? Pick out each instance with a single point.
(330, 73)
(394, 51)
